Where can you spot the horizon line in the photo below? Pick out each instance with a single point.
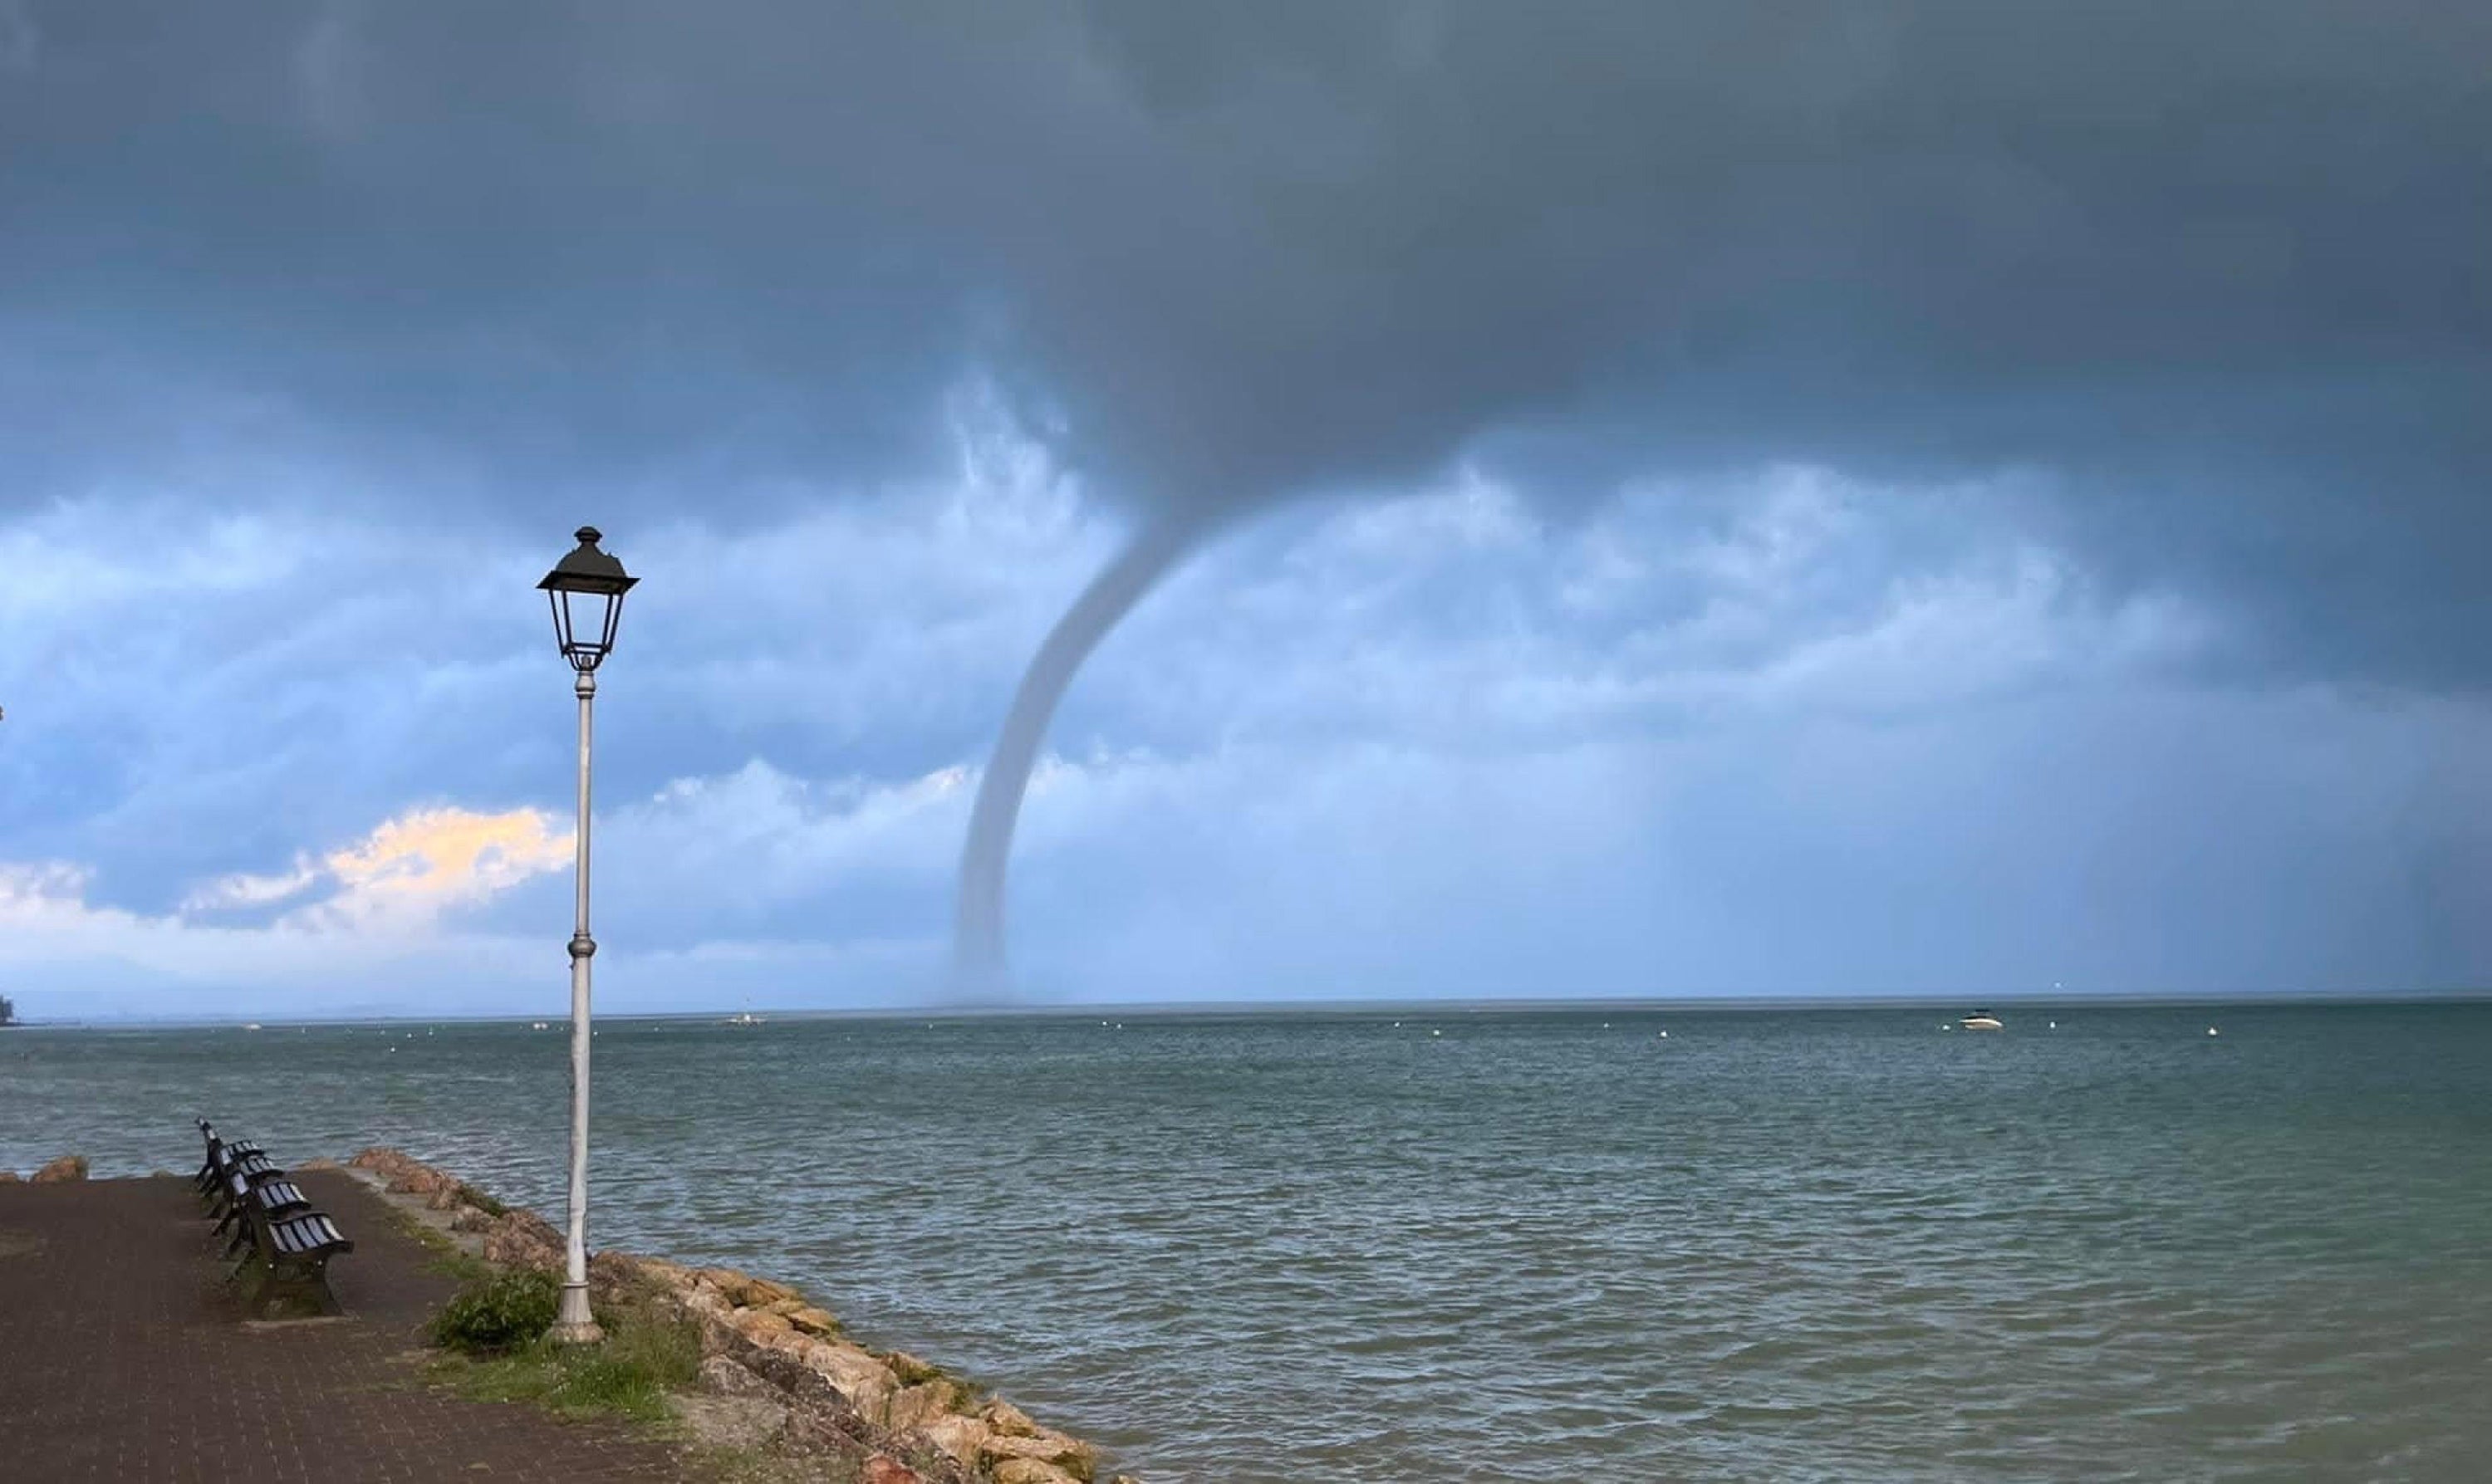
(1174, 1009)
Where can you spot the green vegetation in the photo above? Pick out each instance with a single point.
(500, 1315)
(500, 1324)
(967, 1396)
(627, 1374)
(449, 1259)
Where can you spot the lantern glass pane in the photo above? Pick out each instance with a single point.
(585, 625)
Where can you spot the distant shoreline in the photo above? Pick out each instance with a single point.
(1347, 1010)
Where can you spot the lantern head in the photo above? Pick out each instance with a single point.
(586, 589)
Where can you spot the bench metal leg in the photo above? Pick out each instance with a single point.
(298, 1282)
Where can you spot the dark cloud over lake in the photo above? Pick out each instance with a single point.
(2222, 266)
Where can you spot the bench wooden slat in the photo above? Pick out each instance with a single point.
(309, 1233)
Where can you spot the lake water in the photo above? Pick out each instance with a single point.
(1492, 1246)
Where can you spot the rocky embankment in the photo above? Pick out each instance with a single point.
(766, 1344)
(69, 1166)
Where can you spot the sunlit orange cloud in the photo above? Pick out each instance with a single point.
(386, 891)
(428, 859)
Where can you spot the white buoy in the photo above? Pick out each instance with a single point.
(1436, 1033)
(1665, 1035)
(2210, 1030)
(2055, 1025)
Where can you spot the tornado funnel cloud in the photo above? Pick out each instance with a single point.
(978, 931)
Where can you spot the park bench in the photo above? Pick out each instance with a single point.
(271, 1200)
(290, 1242)
(219, 1153)
(213, 1174)
(297, 1249)
(236, 1178)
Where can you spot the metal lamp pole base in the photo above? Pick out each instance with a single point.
(572, 1323)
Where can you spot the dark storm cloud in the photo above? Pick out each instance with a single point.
(2219, 269)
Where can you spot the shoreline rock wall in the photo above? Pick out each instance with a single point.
(511, 1236)
(905, 1419)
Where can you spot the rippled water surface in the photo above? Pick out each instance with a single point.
(1508, 1246)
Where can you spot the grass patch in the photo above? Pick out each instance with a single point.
(644, 1356)
(482, 1201)
(451, 1262)
(582, 1380)
(443, 1253)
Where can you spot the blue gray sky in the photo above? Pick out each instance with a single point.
(1935, 500)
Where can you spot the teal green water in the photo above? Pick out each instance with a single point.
(1774, 1246)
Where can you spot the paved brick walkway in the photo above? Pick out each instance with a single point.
(122, 1360)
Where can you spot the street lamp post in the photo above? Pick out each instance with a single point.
(585, 590)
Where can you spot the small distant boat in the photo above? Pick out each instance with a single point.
(748, 1017)
(1982, 1019)
(252, 1026)
(539, 1026)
